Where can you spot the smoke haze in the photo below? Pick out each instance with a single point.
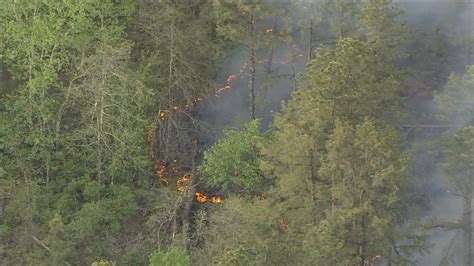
(449, 21)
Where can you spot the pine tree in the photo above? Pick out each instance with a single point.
(366, 171)
(458, 167)
(455, 106)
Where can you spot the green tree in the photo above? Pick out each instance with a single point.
(458, 167)
(350, 82)
(174, 257)
(245, 232)
(232, 164)
(379, 20)
(340, 115)
(367, 172)
(455, 102)
(342, 17)
(74, 139)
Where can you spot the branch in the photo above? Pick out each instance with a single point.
(41, 243)
(448, 226)
(429, 126)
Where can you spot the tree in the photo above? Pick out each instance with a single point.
(176, 47)
(174, 257)
(351, 82)
(340, 85)
(458, 167)
(340, 115)
(455, 102)
(232, 164)
(455, 106)
(245, 232)
(343, 18)
(379, 19)
(74, 142)
(367, 172)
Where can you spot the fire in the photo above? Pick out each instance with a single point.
(204, 198)
(166, 172)
(218, 91)
(200, 197)
(216, 199)
(182, 184)
(161, 167)
(231, 77)
(149, 135)
(182, 188)
(164, 113)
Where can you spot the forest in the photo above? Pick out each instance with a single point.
(236, 132)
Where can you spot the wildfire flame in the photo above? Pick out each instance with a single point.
(204, 198)
(182, 184)
(161, 167)
(227, 86)
(164, 172)
(163, 114)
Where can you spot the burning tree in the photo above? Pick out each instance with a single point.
(237, 23)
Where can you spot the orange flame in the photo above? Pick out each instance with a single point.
(161, 169)
(182, 183)
(164, 113)
(216, 199)
(200, 197)
(204, 198)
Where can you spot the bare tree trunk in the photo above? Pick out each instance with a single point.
(340, 27)
(253, 62)
(272, 49)
(469, 36)
(467, 229)
(186, 213)
(310, 45)
(468, 54)
(99, 105)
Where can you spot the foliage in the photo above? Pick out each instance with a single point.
(232, 164)
(101, 99)
(384, 32)
(455, 102)
(350, 82)
(174, 257)
(367, 174)
(459, 163)
(74, 137)
(244, 232)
